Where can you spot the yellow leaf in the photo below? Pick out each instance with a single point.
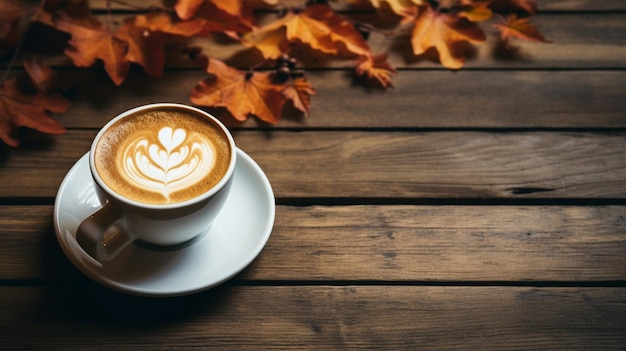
(444, 32)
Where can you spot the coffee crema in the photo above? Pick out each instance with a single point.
(162, 155)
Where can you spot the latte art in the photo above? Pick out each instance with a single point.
(163, 155)
(178, 161)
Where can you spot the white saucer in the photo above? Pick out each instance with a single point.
(234, 241)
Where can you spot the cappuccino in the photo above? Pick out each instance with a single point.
(162, 155)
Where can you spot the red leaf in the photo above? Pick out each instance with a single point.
(18, 109)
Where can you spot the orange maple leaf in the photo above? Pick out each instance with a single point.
(186, 9)
(399, 7)
(92, 41)
(146, 48)
(317, 26)
(203, 23)
(299, 91)
(236, 9)
(520, 28)
(376, 67)
(444, 32)
(242, 93)
(161, 21)
(476, 11)
(10, 14)
(18, 109)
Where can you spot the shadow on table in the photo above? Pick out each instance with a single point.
(73, 297)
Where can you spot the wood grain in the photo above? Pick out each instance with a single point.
(421, 99)
(594, 42)
(479, 209)
(559, 5)
(318, 318)
(385, 244)
(407, 165)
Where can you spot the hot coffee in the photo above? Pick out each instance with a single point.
(162, 155)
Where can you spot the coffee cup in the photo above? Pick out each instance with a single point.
(163, 173)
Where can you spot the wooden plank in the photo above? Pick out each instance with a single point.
(579, 40)
(582, 5)
(442, 165)
(318, 318)
(424, 99)
(407, 165)
(558, 5)
(385, 243)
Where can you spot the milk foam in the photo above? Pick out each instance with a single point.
(179, 160)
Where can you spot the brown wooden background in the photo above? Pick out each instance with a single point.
(477, 209)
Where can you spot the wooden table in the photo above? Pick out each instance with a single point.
(478, 209)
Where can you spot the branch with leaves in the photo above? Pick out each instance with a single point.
(144, 34)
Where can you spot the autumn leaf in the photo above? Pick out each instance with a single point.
(376, 67)
(146, 48)
(186, 9)
(11, 10)
(18, 109)
(91, 41)
(317, 27)
(399, 7)
(299, 91)
(161, 21)
(476, 11)
(444, 32)
(520, 28)
(10, 14)
(242, 93)
(205, 21)
(235, 9)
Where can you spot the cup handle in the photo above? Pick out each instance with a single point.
(102, 234)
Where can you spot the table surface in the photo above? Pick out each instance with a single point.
(477, 209)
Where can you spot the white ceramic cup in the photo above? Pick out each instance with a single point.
(122, 221)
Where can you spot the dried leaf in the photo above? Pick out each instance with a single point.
(444, 32)
(164, 22)
(18, 109)
(299, 91)
(211, 9)
(242, 93)
(520, 28)
(376, 67)
(186, 9)
(145, 47)
(92, 41)
(399, 7)
(317, 26)
(476, 11)
(11, 12)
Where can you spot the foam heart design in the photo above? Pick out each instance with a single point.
(179, 160)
